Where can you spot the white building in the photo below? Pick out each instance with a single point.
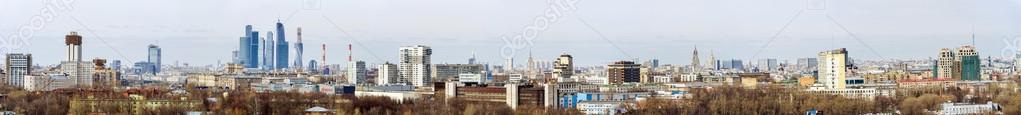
(18, 66)
(46, 82)
(471, 78)
(601, 107)
(445, 72)
(80, 72)
(414, 64)
(356, 72)
(662, 79)
(967, 109)
(689, 78)
(833, 68)
(516, 78)
(387, 74)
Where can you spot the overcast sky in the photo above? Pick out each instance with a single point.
(204, 32)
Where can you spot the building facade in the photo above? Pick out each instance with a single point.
(563, 67)
(623, 72)
(415, 63)
(18, 66)
(388, 74)
(833, 68)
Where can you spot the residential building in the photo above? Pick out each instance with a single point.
(356, 72)
(833, 68)
(415, 64)
(623, 72)
(387, 74)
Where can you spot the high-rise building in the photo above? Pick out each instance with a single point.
(73, 42)
(623, 72)
(712, 61)
(282, 47)
(299, 48)
(252, 51)
(241, 55)
(946, 64)
(271, 59)
(970, 63)
(415, 63)
(833, 68)
(155, 57)
(807, 63)
(265, 53)
(387, 74)
(563, 67)
(77, 70)
(471, 60)
(18, 66)
(696, 66)
(356, 72)
(509, 64)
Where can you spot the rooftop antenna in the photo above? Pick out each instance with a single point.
(973, 35)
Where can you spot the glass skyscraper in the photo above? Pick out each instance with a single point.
(155, 57)
(282, 46)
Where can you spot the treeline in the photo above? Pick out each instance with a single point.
(773, 100)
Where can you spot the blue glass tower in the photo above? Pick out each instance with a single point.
(155, 57)
(281, 49)
(253, 50)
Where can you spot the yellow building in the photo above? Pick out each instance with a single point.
(135, 105)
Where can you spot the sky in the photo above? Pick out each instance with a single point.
(595, 32)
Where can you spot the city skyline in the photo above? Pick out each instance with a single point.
(670, 43)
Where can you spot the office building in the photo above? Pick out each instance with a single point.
(155, 57)
(563, 67)
(833, 68)
(415, 64)
(142, 67)
(387, 74)
(281, 48)
(18, 66)
(807, 63)
(448, 72)
(299, 48)
(253, 51)
(356, 72)
(623, 72)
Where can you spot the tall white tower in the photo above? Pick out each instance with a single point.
(415, 64)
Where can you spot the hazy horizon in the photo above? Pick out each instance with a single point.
(203, 32)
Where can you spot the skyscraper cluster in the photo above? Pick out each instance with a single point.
(274, 52)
